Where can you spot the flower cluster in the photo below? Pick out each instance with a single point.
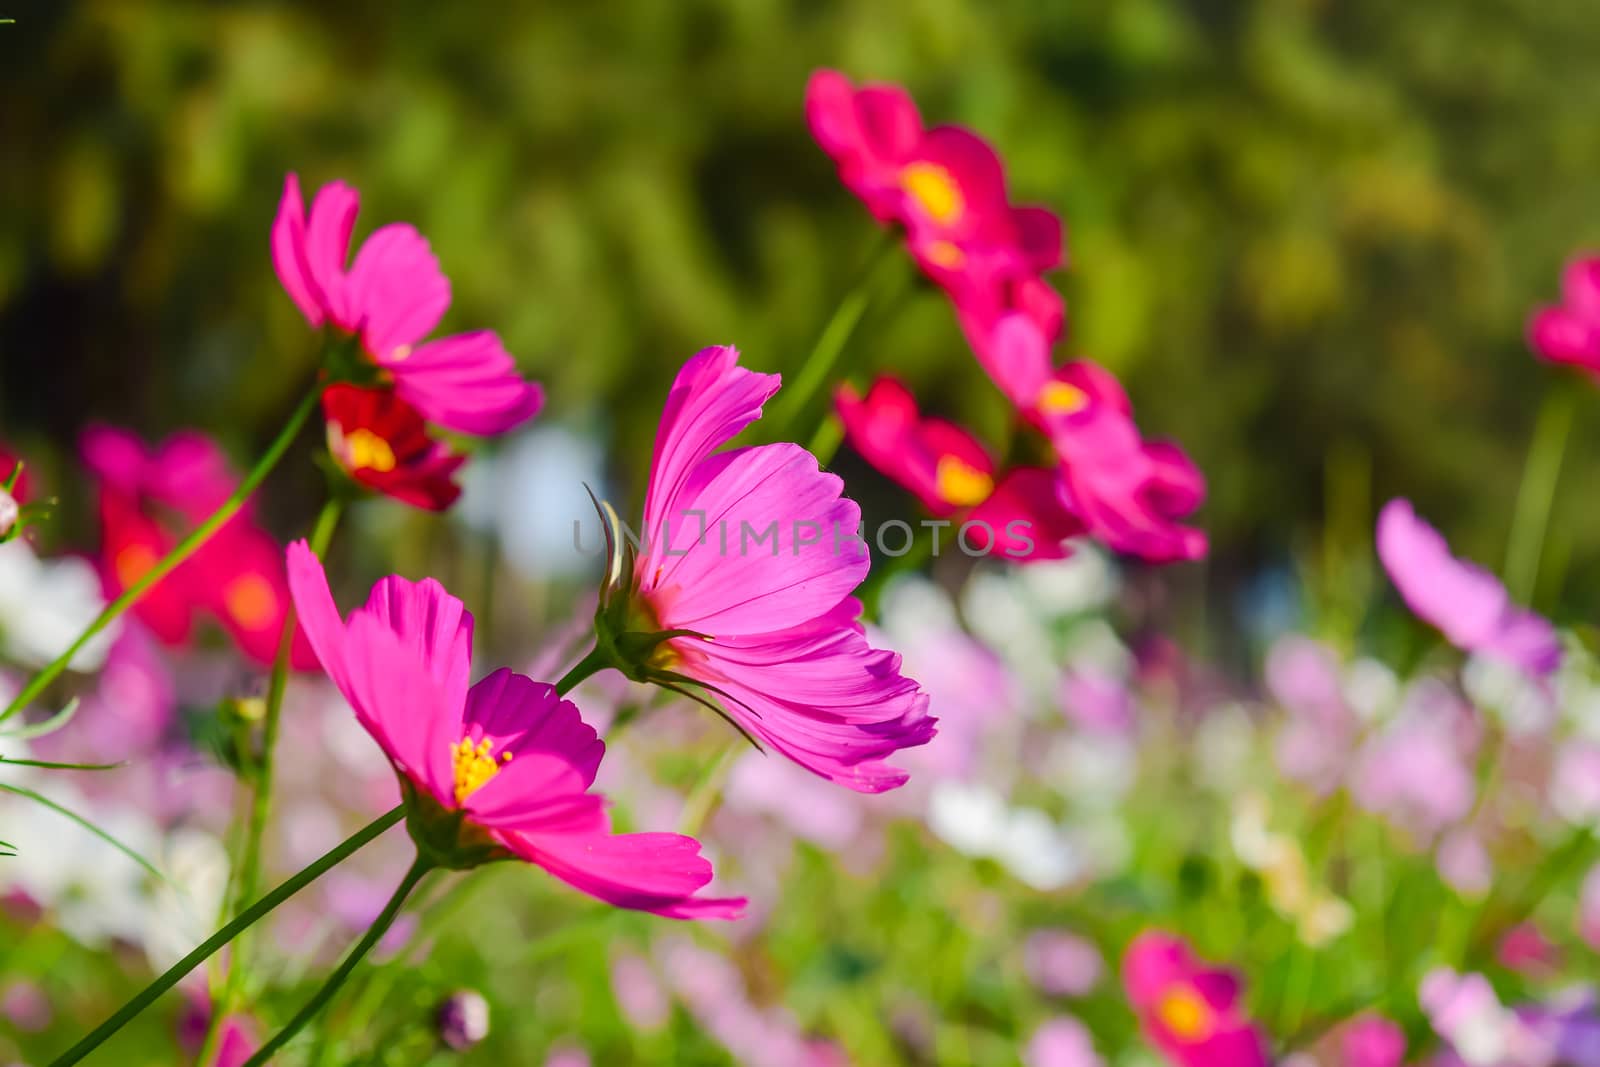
(945, 188)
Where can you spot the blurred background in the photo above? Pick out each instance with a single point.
(1307, 233)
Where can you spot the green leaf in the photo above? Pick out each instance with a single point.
(45, 801)
(48, 726)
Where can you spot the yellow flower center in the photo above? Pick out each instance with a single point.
(944, 254)
(473, 765)
(365, 450)
(250, 601)
(1059, 398)
(1186, 1015)
(962, 484)
(934, 190)
(131, 563)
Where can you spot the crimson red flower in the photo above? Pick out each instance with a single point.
(1016, 512)
(382, 442)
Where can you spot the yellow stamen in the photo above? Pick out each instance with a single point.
(250, 601)
(365, 450)
(1186, 1014)
(399, 352)
(1059, 398)
(934, 190)
(944, 254)
(131, 563)
(960, 483)
(473, 765)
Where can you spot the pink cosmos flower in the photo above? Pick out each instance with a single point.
(1467, 603)
(947, 188)
(1128, 492)
(756, 550)
(1060, 963)
(1570, 332)
(236, 577)
(1061, 1042)
(1418, 770)
(1316, 743)
(1189, 1011)
(507, 756)
(1016, 514)
(1372, 1041)
(391, 297)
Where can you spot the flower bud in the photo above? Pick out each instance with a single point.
(9, 513)
(463, 1019)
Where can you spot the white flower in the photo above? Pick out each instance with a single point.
(46, 604)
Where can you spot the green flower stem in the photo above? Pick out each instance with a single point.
(216, 941)
(813, 373)
(184, 549)
(1538, 489)
(261, 801)
(596, 661)
(336, 980)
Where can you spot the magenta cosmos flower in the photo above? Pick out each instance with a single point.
(493, 770)
(1465, 602)
(954, 475)
(1190, 1011)
(946, 187)
(742, 588)
(1570, 331)
(149, 499)
(390, 298)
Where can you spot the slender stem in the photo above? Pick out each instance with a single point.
(261, 800)
(813, 373)
(182, 551)
(1537, 492)
(596, 661)
(419, 868)
(244, 921)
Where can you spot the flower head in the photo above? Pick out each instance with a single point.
(1467, 603)
(1190, 1011)
(463, 1019)
(742, 588)
(491, 771)
(392, 296)
(946, 187)
(954, 475)
(1373, 1041)
(147, 495)
(381, 442)
(1570, 331)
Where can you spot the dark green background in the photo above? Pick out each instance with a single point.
(1295, 227)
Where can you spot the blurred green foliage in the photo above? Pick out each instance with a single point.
(1296, 226)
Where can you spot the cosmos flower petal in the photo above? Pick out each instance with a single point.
(1028, 496)
(653, 872)
(396, 288)
(1580, 286)
(289, 253)
(1562, 335)
(433, 626)
(467, 382)
(721, 577)
(327, 249)
(1465, 602)
(403, 706)
(711, 401)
